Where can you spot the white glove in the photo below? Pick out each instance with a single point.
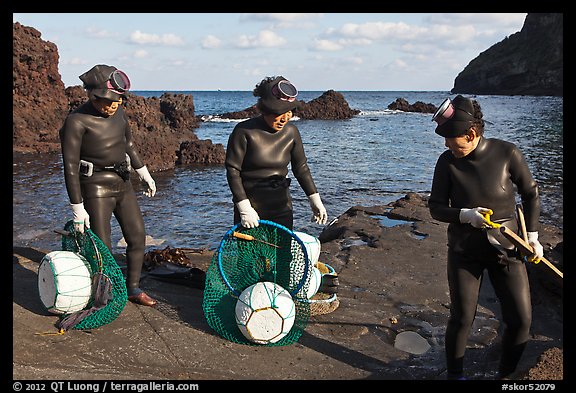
(145, 176)
(81, 217)
(538, 249)
(475, 217)
(248, 216)
(319, 215)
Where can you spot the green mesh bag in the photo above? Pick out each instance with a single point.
(104, 267)
(269, 252)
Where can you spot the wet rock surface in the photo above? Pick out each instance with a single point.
(390, 262)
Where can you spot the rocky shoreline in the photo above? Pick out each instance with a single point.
(390, 262)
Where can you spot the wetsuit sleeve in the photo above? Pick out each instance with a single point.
(135, 160)
(71, 135)
(527, 188)
(235, 153)
(299, 164)
(439, 201)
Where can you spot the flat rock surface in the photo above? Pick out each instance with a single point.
(390, 262)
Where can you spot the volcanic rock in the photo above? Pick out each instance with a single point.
(401, 104)
(160, 125)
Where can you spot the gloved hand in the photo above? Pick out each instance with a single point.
(538, 249)
(248, 216)
(475, 217)
(145, 176)
(319, 214)
(81, 217)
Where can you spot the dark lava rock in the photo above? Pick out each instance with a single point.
(39, 104)
(331, 105)
(529, 62)
(401, 104)
(160, 125)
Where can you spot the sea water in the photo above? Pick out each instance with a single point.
(372, 159)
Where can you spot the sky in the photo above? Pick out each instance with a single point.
(234, 51)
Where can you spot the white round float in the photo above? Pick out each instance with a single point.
(312, 244)
(265, 312)
(314, 283)
(64, 282)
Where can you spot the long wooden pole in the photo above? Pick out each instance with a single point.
(522, 222)
(526, 248)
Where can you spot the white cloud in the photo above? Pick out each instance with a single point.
(399, 64)
(167, 39)
(413, 48)
(75, 61)
(140, 54)
(280, 17)
(356, 60)
(378, 30)
(499, 21)
(285, 20)
(211, 42)
(326, 45)
(100, 33)
(442, 31)
(264, 39)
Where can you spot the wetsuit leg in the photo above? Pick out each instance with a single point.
(512, 288)
(129, 216)
(100, 211)
(464, 281)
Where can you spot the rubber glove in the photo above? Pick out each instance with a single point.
(536, 246)
(81, 217)
(145, 176)
(475, 217)
(248, 216)
(319, 214)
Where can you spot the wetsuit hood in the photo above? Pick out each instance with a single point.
(95, 82)
(460, 121)
(272, 103)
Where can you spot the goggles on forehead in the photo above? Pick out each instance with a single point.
(118, 82)
(446, 111)
(285, 91)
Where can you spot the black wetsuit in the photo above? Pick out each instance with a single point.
(484, 178)
(105, 141)
(257, 159)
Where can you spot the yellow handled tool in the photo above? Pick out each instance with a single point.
(244, 236)
(487, 218)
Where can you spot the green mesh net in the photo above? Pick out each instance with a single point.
(101, 261)
(269, 252)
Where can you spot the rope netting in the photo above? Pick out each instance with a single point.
(270, 253)
(101, 262)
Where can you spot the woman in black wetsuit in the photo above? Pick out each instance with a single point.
(476, 175)
(96, 145)
(258, 153)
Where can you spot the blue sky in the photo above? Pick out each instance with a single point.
(234, 51)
